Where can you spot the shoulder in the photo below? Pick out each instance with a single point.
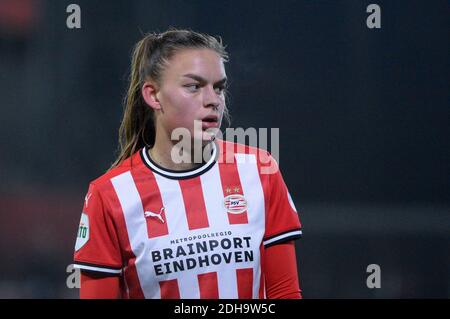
(241, 153)
(239, 149)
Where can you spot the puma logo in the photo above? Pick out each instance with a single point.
(157, 215)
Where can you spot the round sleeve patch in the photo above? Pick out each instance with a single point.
(83, 232)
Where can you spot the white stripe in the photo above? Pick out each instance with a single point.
(181, 174)
(188, 285)
(137, 232)
(227, 283)
(107, 270)
(292, 233)
(174, 210)
(254, 194)
(178, 227)
(213, 195)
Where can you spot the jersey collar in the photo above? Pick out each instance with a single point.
(184, 174)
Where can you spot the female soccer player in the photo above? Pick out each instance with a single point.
(160, 224)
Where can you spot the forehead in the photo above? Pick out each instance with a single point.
(203, 62)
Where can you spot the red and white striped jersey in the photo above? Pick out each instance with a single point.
(191, 234)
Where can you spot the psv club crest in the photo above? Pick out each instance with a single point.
(235, 203)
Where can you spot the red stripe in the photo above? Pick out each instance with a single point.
(169, 289)
(194, 203)
(261, 278)
(130, 274)
(209, 288)
(231, 184)
(245, 283)
(151, 201)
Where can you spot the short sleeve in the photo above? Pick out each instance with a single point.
(97, 247)
(282, 220)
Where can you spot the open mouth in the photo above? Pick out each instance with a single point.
(210, 121)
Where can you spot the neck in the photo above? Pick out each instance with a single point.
(176, 156)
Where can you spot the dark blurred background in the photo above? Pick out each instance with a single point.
(363, 117)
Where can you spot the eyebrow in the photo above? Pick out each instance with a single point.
(202, 80)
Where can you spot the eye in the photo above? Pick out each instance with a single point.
(192, 87)
(219, 89)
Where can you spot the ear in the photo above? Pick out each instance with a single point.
(150, 94)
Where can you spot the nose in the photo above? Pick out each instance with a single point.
(211, 98)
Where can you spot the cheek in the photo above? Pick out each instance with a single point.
(180, 109)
